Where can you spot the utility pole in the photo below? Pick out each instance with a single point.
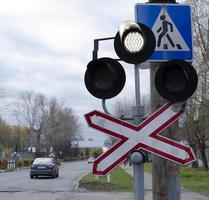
(165, 174)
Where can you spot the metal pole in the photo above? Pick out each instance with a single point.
(138, 181)
(138, 168)
(136, 157)
(137, 85)
(96, 46)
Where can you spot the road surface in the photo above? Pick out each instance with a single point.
(18, 186)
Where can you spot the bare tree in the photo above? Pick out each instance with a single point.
(61, 125)
(51, 122)
(188, 129)
(30, 111)
(196, 122)
(3, 97)
(123, 108)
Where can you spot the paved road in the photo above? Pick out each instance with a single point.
(18, 186)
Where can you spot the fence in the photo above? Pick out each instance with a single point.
(11, 164)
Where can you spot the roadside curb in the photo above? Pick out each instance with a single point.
(76, 185)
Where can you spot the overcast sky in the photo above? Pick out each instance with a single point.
(45, 46)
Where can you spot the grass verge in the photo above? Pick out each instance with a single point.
(196, 180)
(7, 170)
(120, 181)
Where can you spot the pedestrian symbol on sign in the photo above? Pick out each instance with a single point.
(167, 34)
(164, 31)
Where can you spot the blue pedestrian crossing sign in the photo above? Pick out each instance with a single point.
(171, 25)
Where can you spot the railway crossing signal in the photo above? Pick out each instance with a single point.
(144, 136)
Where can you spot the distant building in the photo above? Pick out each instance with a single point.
(86, 148)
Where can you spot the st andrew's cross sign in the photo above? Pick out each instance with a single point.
(144, 136)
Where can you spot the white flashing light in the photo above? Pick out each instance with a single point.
(134, 42)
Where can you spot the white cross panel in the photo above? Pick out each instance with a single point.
(144, 136)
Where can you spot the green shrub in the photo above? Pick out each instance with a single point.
(26, 163)
(20, 163)
(3, 164)
(97, 152)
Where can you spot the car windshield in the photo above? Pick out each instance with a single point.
(43, 161)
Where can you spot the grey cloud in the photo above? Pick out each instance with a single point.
(47, 49)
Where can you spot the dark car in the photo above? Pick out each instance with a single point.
(44, 167)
